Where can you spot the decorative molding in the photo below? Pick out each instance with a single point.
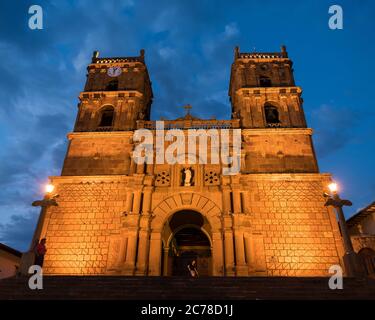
(100, 134)
(277, 131)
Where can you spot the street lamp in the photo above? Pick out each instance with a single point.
(49, 188)
(48, 200)
(350, 257)
(333, 187)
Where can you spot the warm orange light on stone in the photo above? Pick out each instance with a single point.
(116, 217)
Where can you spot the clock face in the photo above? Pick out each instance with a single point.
(114, 71)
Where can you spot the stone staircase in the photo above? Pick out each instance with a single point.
(180, 288)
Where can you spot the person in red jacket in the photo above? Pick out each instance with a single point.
(40, 251)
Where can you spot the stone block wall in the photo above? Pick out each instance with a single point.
(98, 154)
(267, 224)
(78, 230)
(278, 151)
(300, 235)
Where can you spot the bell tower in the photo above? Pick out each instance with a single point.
(268, 103)
(263, 93)
(117, 93)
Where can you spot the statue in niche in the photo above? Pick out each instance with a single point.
(141, 116)
(235, 115)
(187, 177)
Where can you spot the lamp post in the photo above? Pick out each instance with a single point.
(350, 257)
(49, 200)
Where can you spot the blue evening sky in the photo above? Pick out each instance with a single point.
(189, 50)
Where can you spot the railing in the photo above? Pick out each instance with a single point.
(117, 60)
(263, 55)
(274, 125)
(191, 124)
(102, 129)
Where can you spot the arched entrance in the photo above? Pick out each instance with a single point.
(186, 237)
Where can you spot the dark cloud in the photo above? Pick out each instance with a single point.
(333, 127)
(18, 232)
(337, 127)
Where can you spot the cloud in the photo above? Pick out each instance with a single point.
(18, 232)
(231, 30)
(333, 127)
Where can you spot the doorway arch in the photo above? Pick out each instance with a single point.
(186, 237)
(165, 209)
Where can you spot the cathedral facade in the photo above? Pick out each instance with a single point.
(116, 216)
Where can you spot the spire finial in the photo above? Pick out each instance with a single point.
(142, 54)
(236, 52)
(95, 55)
(187, 108)
(284, 52)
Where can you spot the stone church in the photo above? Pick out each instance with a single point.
(117, 217)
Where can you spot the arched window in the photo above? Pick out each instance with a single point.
(272, 115)
(106, 117)
(265, 81)
(112, 85)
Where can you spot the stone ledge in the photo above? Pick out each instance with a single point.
(277, 131)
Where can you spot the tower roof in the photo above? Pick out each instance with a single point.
(260, 55)
(97, 60)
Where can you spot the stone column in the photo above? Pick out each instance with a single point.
(165, 262)
(226, 200)
(217, 254)
(248, 252)
(137, 201)
(150, 167)
(155, 254)
(241, 267)
(243, 161)
(144, 233)
(121, 251)
(131, 252)
(236, 201)
(133, 165)
(228, 245)
(143, 248)
(147, 200)
(129, 202)
(141, 168)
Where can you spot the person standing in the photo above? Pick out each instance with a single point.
(40, 251)
(193, 269)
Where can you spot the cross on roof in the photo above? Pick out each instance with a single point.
(187, 108)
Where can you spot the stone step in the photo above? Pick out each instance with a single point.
(177, 288)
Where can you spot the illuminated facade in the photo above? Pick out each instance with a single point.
(117, 217)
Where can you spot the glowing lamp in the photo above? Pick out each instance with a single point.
(49, 188)
(333, 187)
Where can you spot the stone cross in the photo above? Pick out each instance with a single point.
(187, 108)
